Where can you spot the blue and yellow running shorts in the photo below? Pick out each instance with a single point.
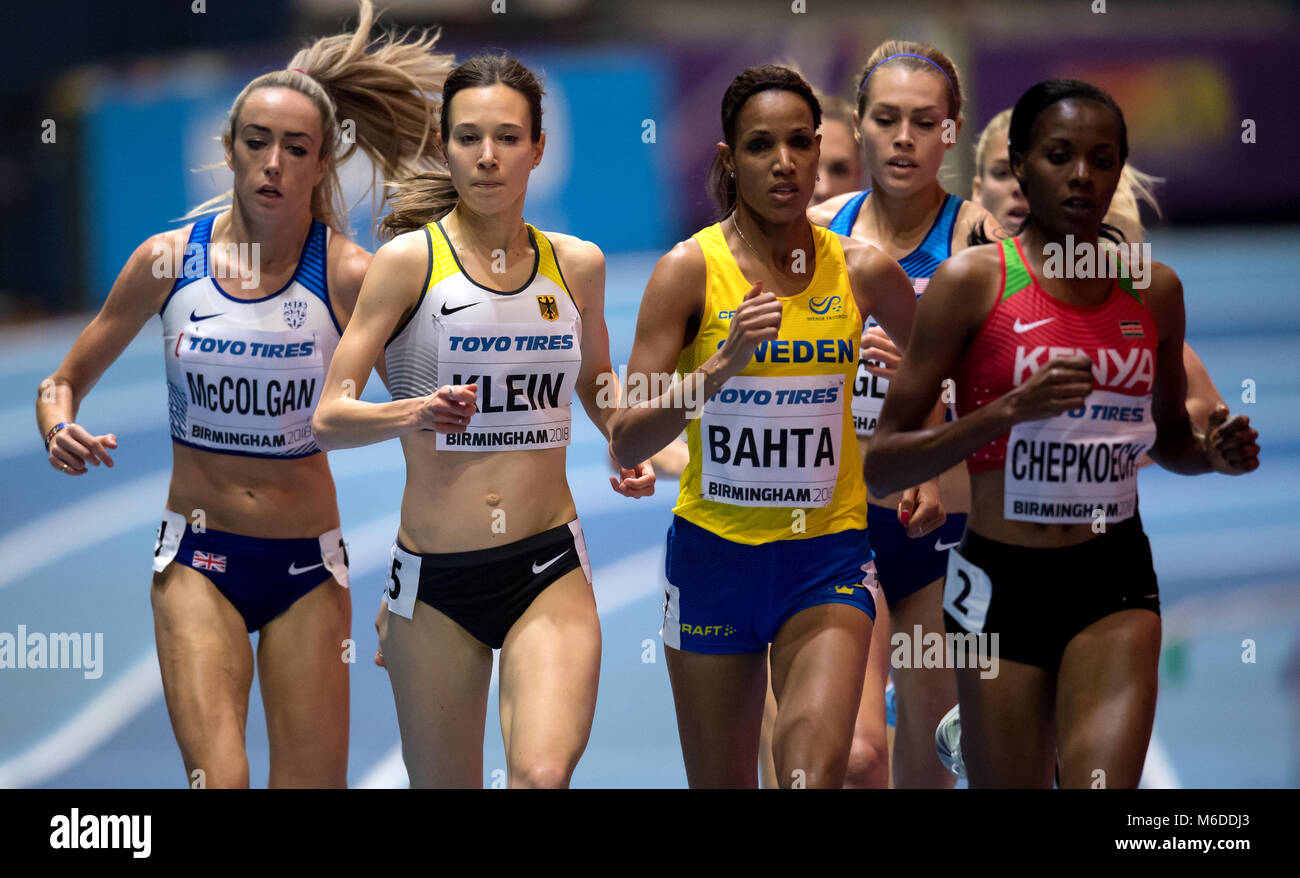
(726, 597)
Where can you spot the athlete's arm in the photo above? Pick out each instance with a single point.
(1228, 446)
(670, 315)
(348, 265)
(136, 295)
(597, 383)
(390, 290)
(903, 450)
(1202, 396)
(881, 288)
(975, 218)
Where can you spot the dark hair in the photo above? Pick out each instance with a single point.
(722, 185)
(1044, 94)
(423, 198)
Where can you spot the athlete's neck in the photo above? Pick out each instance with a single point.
(279, 243)
(486, 233)
(902, 218)
(779, 244)
(1035, 240)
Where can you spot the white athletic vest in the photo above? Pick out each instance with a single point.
(522, 348)
(244, 375)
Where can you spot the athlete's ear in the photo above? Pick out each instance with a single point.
(230, 149)
(538, 148)
(975, 188)
(724, 156)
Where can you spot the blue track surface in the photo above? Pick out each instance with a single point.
(75, 556)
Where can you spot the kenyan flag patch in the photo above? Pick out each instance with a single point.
(1131, 329)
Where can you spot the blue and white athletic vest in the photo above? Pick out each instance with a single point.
(244, 375)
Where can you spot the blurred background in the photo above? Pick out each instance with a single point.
(107, 111)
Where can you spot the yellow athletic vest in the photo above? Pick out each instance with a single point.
(778, 437)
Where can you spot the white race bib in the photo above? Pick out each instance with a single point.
(868, 395)
(1080, 466)
(769, 441)
(525, 383)
(245, 390)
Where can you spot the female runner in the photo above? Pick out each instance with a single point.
(488, 326)
(760, 316)
(1062, 384)
(247, 348)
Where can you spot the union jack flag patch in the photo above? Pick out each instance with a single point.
(209, 561)
(1131, 329)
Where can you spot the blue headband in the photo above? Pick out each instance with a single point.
(903, 55)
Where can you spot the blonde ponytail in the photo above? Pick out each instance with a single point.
(380, 95)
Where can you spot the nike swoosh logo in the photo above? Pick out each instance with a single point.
(1025, 327)
(449, 311)
(195, 318)
(539, 569)
(294, 569)
(941, 546)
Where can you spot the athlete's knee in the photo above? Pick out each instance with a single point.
(542, 773)
(224, 772)
(809, 752)
(868, 766)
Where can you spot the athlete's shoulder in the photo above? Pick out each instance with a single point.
(823, 213)
(576, 255)
(155, 265)
(860, 256)
(348, 262)
(408, 248)
(1164, 289)
(972, 263)
(400, 267)
(684, 264)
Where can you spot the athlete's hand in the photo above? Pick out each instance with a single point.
(878, 346)
(1230, 443)
(920, 510)
(758, 319)
(72, 448)
(639, 482)
(1061, 385)
(448, 409)
(379, 650)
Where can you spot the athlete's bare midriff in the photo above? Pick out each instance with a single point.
(452, 498)
(254, 496)
(986, 519)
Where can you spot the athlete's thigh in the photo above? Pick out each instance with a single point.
(719, 705)
(550, 668)
(1007, 727)
(819, 659)
(206, 662)
(440, 677)
(1106, 699)
(303, 675)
